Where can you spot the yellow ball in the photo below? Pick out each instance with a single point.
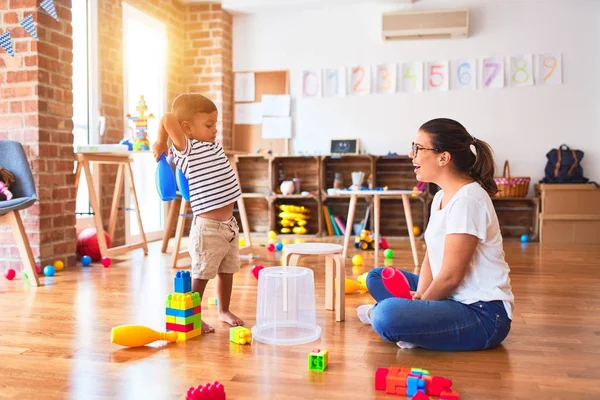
(242, 242)
(272, 234)
(58, 265)
(357, 260)
(416, 230)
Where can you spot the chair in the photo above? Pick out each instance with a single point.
(14, 159)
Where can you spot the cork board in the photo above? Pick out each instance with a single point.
(248, 138)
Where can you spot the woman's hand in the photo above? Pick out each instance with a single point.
(415, 295)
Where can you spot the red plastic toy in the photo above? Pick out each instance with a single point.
(214, 391)
(436, 385)
(395, 282)
(449, 395)
(105, 262)
(256, 269)
(10, 274)
(420, 396)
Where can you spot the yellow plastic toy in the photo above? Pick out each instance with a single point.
(357, 260)
(138, 335)
(359, 285)
(293, 219)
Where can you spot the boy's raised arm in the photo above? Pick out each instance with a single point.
(168, 127)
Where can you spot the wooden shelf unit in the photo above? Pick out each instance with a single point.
(518, 216)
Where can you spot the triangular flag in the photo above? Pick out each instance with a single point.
(27, 23)
(6, 43)
(48, 6)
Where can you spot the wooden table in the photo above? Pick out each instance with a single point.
(377, 195)
(123, 161)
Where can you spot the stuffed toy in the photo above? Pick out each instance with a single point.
(6, 179)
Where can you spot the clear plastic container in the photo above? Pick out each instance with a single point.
(285, 307)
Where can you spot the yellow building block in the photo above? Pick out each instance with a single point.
(183, 301)
(240, 335)
(183, 336)
(171, 319)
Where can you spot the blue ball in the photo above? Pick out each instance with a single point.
(524, 238)
(86, 260)
(279, 246)
(49, 270)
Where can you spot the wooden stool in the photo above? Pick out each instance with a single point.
(333, 257)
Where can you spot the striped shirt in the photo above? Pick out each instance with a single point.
(211, 179)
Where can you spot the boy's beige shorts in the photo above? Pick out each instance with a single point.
(214, 247)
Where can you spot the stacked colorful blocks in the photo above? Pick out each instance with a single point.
(183, 310)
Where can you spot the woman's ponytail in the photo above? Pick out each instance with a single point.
(483, 169)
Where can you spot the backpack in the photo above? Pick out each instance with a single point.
(564, 166)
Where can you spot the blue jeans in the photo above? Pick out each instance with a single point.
(444, 325)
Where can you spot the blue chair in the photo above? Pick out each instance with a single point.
(13, 158)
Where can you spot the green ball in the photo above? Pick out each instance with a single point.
(388, 253)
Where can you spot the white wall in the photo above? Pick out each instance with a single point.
(521, 124)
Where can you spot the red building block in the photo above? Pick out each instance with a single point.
(420, 396)
(380, 376)
(180, 328)
(449, 395)
(437, 384)
(214, 391)
(395, 382)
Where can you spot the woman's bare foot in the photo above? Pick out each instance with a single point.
(206, 328)
(227, 316)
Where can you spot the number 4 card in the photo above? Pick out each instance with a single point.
(437, 76)
(410, 77)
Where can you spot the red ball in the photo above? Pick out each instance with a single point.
(271, 247)
(256, 269)
(10, 274)
(87, 243)
(106, 262)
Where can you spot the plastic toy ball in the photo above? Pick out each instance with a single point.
(10, 274)
(256, 269)
(416, 230)
(271, 247)
(524, 238)
(86, 260)
(58, 265)
(105, 262)
(49, 270)
(242, 242)
(279, 246)
(357, 260)
(272, 234)
(389, 253)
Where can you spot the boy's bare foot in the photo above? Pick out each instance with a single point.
(206, 328)
(227, 316)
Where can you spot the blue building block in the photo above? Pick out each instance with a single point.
(183, 282)
(180, 313)
(413, 384)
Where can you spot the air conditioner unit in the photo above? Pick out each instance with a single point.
(445, 24)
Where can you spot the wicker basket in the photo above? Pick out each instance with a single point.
(511, 186)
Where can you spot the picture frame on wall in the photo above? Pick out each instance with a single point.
(345, 146)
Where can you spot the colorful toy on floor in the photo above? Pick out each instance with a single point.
(256, 268)
(87, 243)
(388, 253)
(357, 260)
(383, 244)
(86, 260)
(58, 265)
(278, 246)
(10, 274)
(138, 335)
(405, 381)
(242, 242)
(49, 270)
(240, 335)
(271, 247)
(183, 310)
(396, 283)
(293, 219)
(214, 391)
(141, 141)
(106, 261)
(351, 286)
(416, 230)
(524, 238)
(272, 234)
(364, 241)
(212, 301)
(317, 360)
(449, 395)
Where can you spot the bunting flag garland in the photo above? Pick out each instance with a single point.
(6, 43)
(48, 6)
(28, 25)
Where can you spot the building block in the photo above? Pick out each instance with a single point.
(193, 319)
(240, 335)
(380, 376)
(420, 396)
(449, 395)
(419, 371)
(212, 301)
(183, 301)
(395, 382)
(183, 336)
(214, 391)
(180, 328)
(437, 384)
(413, 384)
(182, 282)
(317, 360)
(180, 313)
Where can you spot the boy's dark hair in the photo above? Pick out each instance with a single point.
(186, 105)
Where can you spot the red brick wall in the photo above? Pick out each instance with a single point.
(36, 110)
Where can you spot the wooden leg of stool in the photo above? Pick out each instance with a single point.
(293, 260)
(171, 220)
(329, 283)
(340, 294)
(13, 218)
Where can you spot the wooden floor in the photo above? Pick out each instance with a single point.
(54, 340)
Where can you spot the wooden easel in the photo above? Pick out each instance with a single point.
(123, 160)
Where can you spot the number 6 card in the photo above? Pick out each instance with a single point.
(464, 74)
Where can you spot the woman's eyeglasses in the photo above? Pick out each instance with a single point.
(415, 148)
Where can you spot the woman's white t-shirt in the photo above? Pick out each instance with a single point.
(471, 211)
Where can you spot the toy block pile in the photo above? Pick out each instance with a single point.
(214, 391)
(317, 360)
(240, 335)
(413, 382)
(183, 313)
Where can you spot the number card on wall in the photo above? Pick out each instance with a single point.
(550, 69)
(334, 82)
(410, 77)
(311, 83)
(386, 78)
(521, 70)
(360, 80)
(492, 73)
(437, 76)
(464, 74)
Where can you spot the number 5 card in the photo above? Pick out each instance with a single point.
(437, 76)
